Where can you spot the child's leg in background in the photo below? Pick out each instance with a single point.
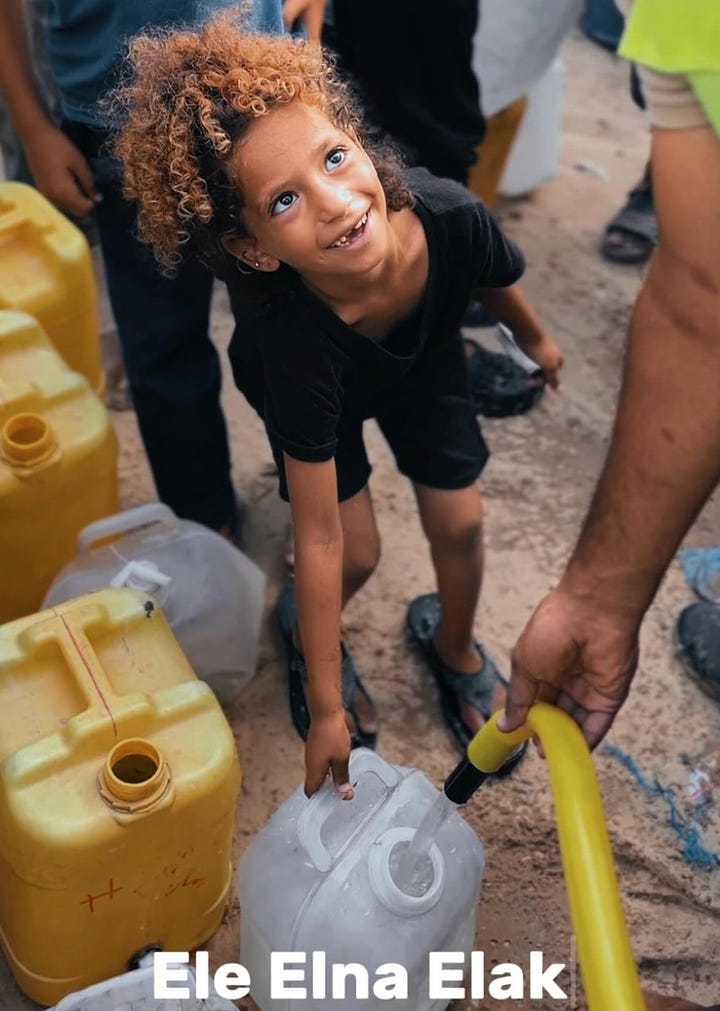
(453, 524)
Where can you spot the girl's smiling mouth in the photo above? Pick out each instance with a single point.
(351, 237)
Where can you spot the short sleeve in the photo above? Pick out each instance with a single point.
(499, 262)
(303, 397)
(670, 101)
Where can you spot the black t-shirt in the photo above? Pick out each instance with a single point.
(303, 369)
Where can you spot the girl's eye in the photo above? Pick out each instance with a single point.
(283, 203)
(336, 157)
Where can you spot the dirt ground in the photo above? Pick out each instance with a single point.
(536, 487)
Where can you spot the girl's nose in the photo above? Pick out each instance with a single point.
(334, 201)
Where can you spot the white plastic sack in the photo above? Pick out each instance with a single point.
(516, 43)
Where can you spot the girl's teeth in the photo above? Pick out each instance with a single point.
(356, 228)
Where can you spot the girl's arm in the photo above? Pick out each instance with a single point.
(512, 308)
(318, 538)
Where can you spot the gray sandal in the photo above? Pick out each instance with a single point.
(455, 688)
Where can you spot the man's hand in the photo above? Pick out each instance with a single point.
(309, 12)
(328, 750)
(576, 656)
(60, 171)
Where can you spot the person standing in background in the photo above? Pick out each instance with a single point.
(580, 648)
(172, 366)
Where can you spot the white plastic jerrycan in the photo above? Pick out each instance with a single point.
(211, 593)
(133, 991)
(321, 881)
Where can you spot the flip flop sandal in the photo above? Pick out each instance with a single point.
(632, 234)
(298, 676)
(499, 387)
(697, 643)
(455, 688)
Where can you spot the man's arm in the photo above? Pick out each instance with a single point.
(59, 169)
(664, 459)
(579, 649)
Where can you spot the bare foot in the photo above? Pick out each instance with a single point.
(470, 662)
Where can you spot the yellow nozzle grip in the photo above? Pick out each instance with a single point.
(606, 958)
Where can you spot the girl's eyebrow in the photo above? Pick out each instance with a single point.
(270, 192)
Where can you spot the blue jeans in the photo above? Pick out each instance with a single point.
(172, 366)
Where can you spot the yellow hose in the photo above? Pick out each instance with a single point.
(606, 959)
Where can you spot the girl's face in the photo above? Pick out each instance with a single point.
(312, 196)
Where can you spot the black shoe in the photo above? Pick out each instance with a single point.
(697, 641)
(476, 315)
(500, 387)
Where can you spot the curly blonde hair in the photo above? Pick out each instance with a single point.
(188, 97)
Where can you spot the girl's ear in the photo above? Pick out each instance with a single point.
(245, 250)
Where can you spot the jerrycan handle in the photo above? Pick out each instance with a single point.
(122, 523)
(319, 808)
(12, 218)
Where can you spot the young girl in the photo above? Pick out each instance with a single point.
(248, 152)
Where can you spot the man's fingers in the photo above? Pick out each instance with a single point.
(521, 694)
(595, 726)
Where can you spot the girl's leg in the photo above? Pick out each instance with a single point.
(452, 521)
(361, 542)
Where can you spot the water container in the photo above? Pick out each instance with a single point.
(46, 270)
(320, 878)
(118, 783)
(58, 463)
(133, 991)
(210, 592)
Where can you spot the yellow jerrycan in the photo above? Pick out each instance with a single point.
(118, 783)
(607, 964)
(58, 463)
(46, 270)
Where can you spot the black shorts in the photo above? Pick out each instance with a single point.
(430, 423)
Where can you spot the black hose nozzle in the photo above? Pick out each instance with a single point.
(463, 781)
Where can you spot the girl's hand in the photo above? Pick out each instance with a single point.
(547, 353)
(310, 12)
(327, 749)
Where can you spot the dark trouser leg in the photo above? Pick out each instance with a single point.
(412, 61)
(172, 367)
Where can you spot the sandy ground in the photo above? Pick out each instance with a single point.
(536, 487)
